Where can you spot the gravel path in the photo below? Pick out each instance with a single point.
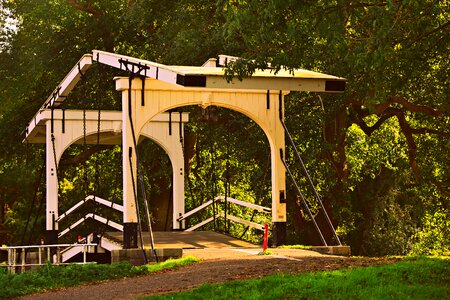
(217, 265)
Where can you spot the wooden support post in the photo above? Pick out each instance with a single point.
(130, 232)
(278, 174)
(52, 184)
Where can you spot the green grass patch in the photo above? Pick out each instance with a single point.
(169, 264)
(51, 276)
(411, 278)
(266, 252)
(295, 247)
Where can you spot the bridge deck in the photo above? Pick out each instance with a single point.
(188, 240)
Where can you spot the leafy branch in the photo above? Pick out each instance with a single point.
(87, 7)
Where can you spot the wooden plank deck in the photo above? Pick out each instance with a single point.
(188, 240)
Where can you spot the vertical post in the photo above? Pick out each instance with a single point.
(278, 174)
(13, 261)
(40, 255)
(178, 196)
(178, 177)
(58, 252)
(266, 239)
(130, 226)
(23, 254)
(225, 209)
(51, 184)
(10, 260)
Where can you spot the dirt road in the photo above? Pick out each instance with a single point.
(217, 265)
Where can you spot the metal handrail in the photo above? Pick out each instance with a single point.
(45, 255)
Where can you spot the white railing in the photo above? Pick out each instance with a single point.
(102, 201)
(229, 217)
(253, 206)
(17, 255)
(93, 217)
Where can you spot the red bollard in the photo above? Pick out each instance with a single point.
(266, 233)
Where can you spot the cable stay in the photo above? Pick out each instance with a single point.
(35, 196)
(213, 167)
(136, 201)
(311, 184)
(139, 174)
(302, 198)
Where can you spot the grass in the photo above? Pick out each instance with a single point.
(295, 247)
(51, 276)
(411, 278)
(266, 252)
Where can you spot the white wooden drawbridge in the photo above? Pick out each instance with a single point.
(148, 93)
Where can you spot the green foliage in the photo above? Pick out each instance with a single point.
(231, 149)
(266, 252)
(416, 278)
(51, 276)
(303, 247)
(169, 264)
(434, 237)
(378, 154)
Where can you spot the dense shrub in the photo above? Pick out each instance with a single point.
(434, 238)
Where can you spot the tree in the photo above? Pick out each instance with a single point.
(51, 37)
(378, 153)
(394, 55)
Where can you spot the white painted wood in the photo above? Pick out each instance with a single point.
(249, 103)
(222, 198)
(51, 178)
(105, 202)
(111, 130)
(244, 222)
(246, 204)
(247, 97)
(268, 79)
(267, 83)
(230, 217)
(113, 60)
(91, 198)
(171, 144)
(225, 59)
(195, 227)
(109, 245)
(195, 210)
(69, 82)
(129, 170)
(94, 217)
(210, 63)
(70, 252)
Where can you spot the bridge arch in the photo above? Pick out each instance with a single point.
(61, 130)
(265, 108)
